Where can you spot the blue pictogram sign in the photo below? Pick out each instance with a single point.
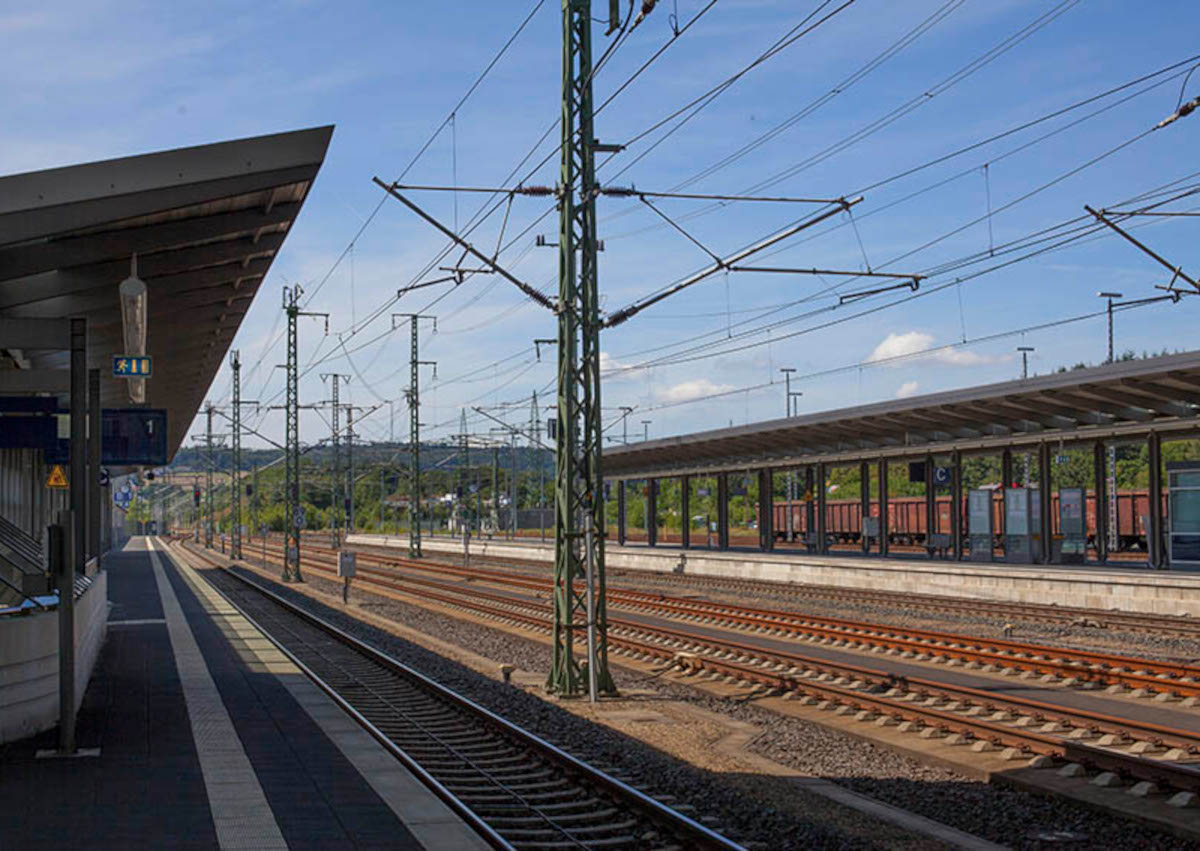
(131, 366)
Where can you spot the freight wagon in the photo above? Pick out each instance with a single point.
(907, 519)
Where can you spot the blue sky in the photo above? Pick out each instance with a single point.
(99, 79)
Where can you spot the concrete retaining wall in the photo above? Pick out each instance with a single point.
(29, 661)
(1133, 590)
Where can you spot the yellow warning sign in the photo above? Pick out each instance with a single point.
(57, 477)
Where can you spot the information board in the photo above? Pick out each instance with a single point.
(131, 437)
(1071, 524)
(1183, 515)
(1018, 540)
(980, 523)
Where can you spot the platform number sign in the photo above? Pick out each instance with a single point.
(941, 475)
(131, 366)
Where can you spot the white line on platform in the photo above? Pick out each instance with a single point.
(433, 823)
(241, 814)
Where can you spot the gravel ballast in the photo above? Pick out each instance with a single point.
(999, 814)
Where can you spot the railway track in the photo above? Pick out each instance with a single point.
(516, 789)
(1127, 749)
(1173, 625)
(1082, 668)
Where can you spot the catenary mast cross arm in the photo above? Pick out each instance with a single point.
(626, 313)
(787, 270)
(530, 291)
(515, 429)
(1103, 219)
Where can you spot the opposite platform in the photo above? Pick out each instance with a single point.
(1130, 589)
(209, 737)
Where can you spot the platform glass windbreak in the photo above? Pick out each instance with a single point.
(1071, 522)
(1018, 540)
(979, 522)
(1184, 513)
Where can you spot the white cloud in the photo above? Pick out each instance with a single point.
(914, 342)
(611, 368)
(898, 345)
(908, 388)
(688, 390)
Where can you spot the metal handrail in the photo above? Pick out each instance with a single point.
(40, 605)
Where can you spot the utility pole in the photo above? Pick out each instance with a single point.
(512, 485)
(235, 497)
(1110, 296)
(350, 469)
(235, 440)
(413, 394)
(535, 445)
(578, 548)
(625, 412)
(208, 478)
(791, 479)
(292, 512)
(464, 450)
(335, 471)
(1025, 350)
(646, 429)
(496, 486)
(254, 499)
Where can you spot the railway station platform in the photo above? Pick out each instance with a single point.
(197, 732)
(1093, 587)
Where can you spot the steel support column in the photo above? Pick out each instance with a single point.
(1045, 493)
(884, 520)
(291, 497)
(73, 557)
(1006, 482)
(209, 464)
(956, 524)
(810, 515)
(930, 507)
(652, 512)
(413, 395)
(235, 474)
(1154, 532)
(1100, 491)
(95, 440)
(864, 495)
(335, 462)
(822, 531)
(578, 550)
(349, 470)
(621, 512)
(722, 511)
(685, 511)
(766, 511)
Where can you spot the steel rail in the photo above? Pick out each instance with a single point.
(1041, 612)
(1039, 711)
(1126, 670)
(1164, 773)
(665, 817)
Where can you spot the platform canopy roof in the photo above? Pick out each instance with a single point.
(205, 222)
(1127, 399)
